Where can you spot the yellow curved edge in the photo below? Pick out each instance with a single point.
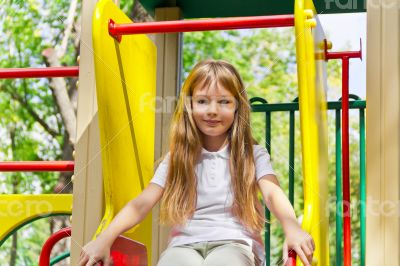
(313, 122)
(125, 86)
(17, 209)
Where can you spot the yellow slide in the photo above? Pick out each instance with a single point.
(126, 87)
(313, 122)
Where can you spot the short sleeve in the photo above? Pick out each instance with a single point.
(262, 161)
(160, 175)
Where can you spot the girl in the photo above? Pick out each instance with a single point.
(208, 182)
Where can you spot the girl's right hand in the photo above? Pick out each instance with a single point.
(95, 251)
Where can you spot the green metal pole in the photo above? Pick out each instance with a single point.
(291, 157)
(363, 192)
(339, 199)
(267, 212)
(59, 258)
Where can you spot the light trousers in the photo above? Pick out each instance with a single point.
(212, 253)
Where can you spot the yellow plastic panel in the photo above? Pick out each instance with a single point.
(17, 210)
(125, 86)
(313, 121)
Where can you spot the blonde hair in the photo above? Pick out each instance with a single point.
(179, 199)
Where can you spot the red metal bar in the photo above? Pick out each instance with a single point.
(345, 163)
(116, 30)
(44, 72)
(37, 166)
(44, 259)
(341, 55)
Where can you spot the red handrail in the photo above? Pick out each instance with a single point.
(44, 72)
(37, 166)
(124, 251)
(44, 259)
(116, 30)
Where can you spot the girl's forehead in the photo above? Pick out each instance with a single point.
(214, 89)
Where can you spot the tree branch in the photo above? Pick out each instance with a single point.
(139, 14)
(68, 29)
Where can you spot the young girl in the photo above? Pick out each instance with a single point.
(208, 182)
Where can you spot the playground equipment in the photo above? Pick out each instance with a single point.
(345, 56)
(128, 66)
(124, 251)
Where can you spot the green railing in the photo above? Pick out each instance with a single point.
(260, 105)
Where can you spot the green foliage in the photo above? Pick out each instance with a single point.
(267, 69)
(126, 6)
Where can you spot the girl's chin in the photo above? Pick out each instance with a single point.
(212, 133)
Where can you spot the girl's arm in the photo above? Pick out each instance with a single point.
(277, 202)
(129, 216)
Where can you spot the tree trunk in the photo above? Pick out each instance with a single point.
(60, 92)
(14, 245)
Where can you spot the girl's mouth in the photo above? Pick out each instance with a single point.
(212, 122)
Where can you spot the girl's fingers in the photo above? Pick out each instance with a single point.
(108, 262)
(313, 243)
(310, 246)
(302, 256)
(83, 259)
(307, 251)
(285, 254)
(90, 262)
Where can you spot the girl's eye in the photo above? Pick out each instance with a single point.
(201, 101)
(225, 102)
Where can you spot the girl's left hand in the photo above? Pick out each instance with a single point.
(302, 243)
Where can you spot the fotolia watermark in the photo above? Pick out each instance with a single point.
(344, 4)
(372, 206)
(355, 4)
(15, 208)
(158, 104)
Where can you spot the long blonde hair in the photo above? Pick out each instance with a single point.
(179, 200)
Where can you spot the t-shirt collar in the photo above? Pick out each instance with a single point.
(223, 153)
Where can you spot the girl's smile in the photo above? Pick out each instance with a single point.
(212, 122)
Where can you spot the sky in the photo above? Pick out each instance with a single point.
(345, 31)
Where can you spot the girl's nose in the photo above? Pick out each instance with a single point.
(212, 107)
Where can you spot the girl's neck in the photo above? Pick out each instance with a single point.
(214, 143)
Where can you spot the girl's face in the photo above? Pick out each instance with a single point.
(213, 111)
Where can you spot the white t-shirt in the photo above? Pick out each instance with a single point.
(212, 219)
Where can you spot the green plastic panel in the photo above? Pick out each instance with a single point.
(238, 8)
